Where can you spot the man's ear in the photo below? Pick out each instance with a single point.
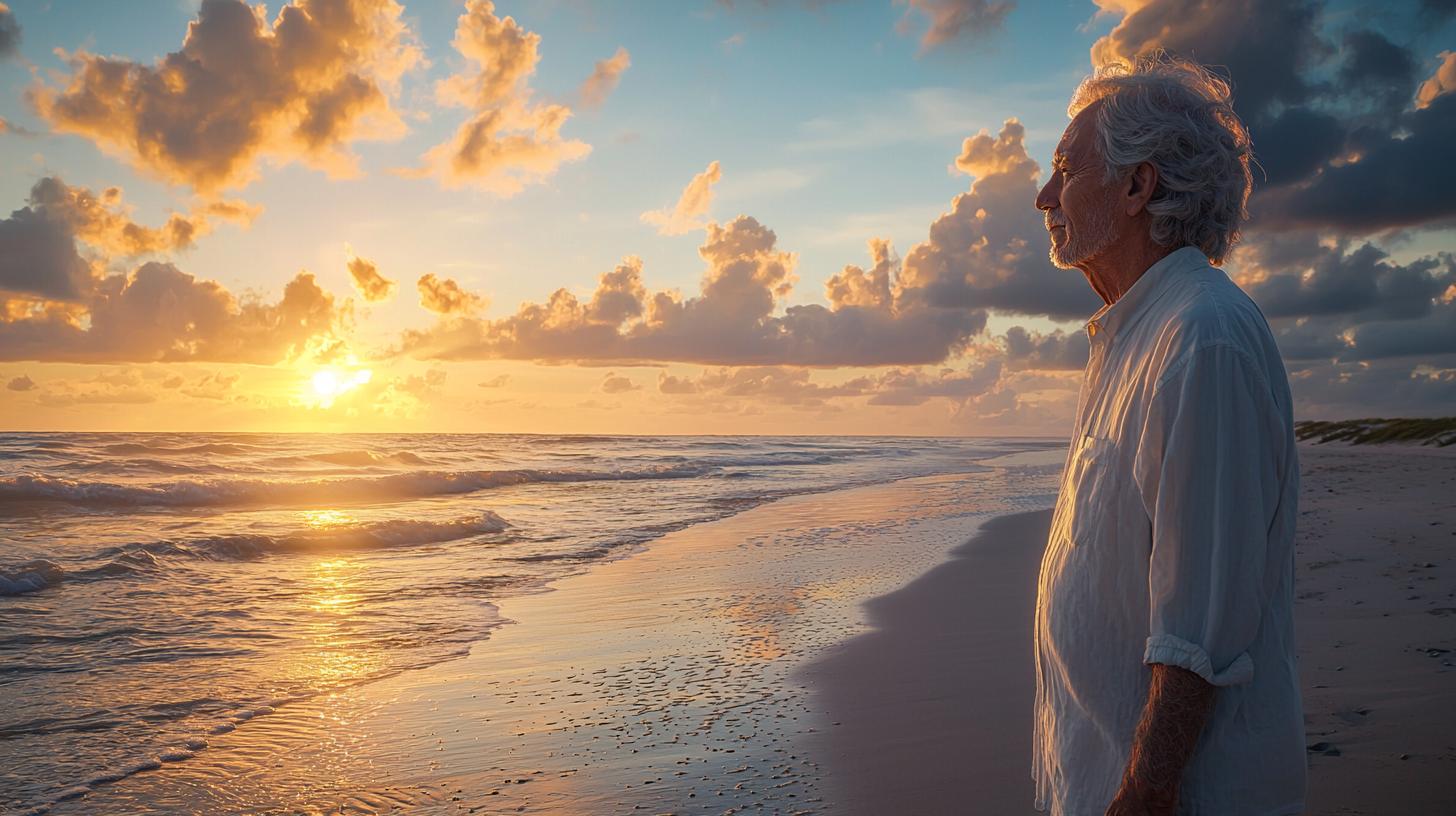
(1141, 183)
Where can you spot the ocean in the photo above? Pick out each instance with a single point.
(160, 589)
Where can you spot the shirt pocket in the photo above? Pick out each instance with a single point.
(1094, 483)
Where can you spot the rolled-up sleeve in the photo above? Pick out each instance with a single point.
(1208, 467)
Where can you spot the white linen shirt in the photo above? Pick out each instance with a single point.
(1172, 542)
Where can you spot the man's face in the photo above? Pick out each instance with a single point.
(1078, 202)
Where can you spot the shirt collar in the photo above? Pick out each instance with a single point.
(1119, 314)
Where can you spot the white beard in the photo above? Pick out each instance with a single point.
(1089, 241)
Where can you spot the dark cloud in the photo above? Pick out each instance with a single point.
(21, 383)
(1380, 388)
(1425, 337)
(300, 88)
(1363, 283)
(38, 243)
(1401, 179)
(1055, 351)
(1329, 109)
(38, 257)
(9, 33)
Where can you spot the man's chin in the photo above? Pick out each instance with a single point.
(1059, 260)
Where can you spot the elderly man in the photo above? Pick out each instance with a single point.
(1167, 680)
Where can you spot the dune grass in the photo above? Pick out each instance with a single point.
(1436, 431)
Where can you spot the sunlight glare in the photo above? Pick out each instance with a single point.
(331, 383)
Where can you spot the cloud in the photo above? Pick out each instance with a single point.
(102, 221)
(421, 386)
(1325, 280)
(124, 387)
(445, 296)
(596, 88)
(990, 250)
(242, 89)
(38, 252)
(1346, 137)
(38, 257)
(1057, 350)
(614, 383)
(1379, 388)
(160, 314)
(1442, 82)
(508, 142)
(21, 383)
(981, 390)
(854, 286)
(734, 320)
(1400, 180)
(954, 20)
(213, 386)
(779, 384)
(371, 285)
(691, 208)
(498, 381)
(9, 33)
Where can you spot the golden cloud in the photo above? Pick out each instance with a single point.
(691, 208)
(371, 285)
(509, 141)
(242, 89)
(445, 296)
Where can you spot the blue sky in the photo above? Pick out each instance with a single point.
(832, 123)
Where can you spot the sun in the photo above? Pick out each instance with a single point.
(331, 383)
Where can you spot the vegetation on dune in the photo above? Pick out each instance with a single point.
(1438, 431)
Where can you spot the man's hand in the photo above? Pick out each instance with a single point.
(1178, 704)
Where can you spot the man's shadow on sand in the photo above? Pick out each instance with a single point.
(934, 707)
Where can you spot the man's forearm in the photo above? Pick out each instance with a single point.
(1178, 704)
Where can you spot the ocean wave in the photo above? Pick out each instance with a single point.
(131, 559)
(35, 487)
(359, 458)
(30, 577)
(134, 448)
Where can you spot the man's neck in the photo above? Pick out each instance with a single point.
(1114, 271)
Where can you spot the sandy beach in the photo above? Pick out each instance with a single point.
(935, 702)
(859, 651)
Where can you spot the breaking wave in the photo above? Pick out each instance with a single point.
(132, 559)
(34, 487)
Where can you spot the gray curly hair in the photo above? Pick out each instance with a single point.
(1178, 116)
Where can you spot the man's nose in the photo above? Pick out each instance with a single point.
(1047, 198)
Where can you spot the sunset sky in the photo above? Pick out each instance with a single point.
(674, 217)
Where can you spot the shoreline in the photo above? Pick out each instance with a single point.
(657, 682)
